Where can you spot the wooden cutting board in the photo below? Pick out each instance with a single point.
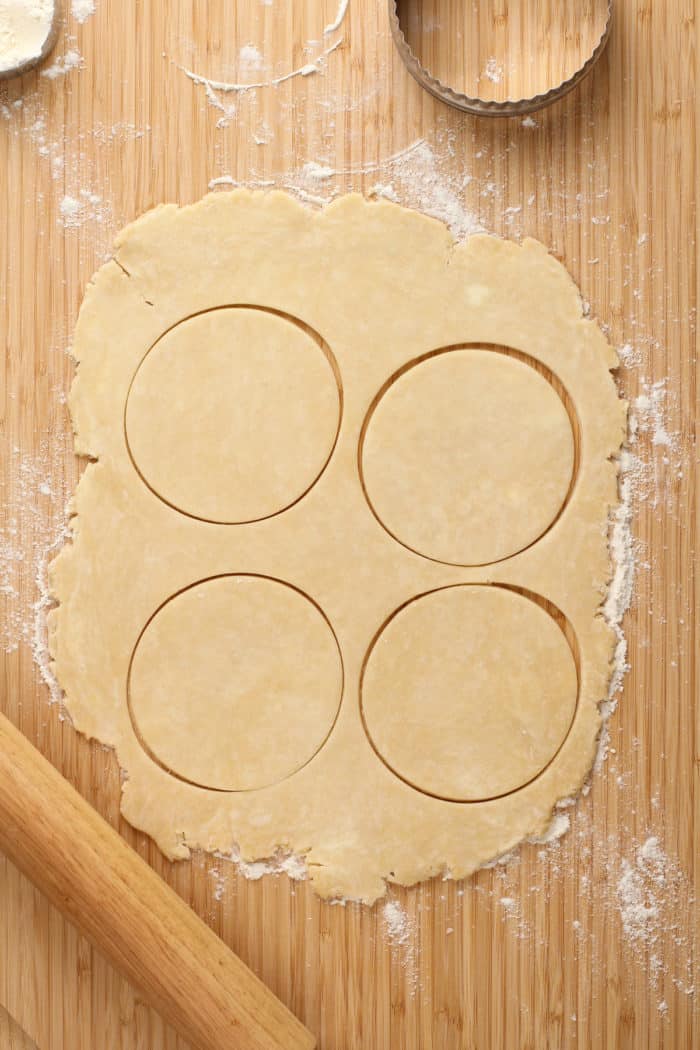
(552, 950)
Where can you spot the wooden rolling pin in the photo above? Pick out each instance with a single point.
(12, 1037)
(129, 914)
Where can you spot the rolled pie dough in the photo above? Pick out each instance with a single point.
(338, 562)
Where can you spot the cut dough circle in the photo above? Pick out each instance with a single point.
(490, 706)
(233, 414)
(467, 456)
(235, 682)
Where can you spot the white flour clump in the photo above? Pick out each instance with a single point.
(650, 409)
(400, 931)
(69, 209)
(24, 28)
(63, 64)
(396, 924)
(74, 211)
(314, 172)
(82, 9)
(250, 58)
(493, 71)
(282, 863)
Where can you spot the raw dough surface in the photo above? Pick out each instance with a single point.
(302, 679)
(232, 415)
(483, 677)
(485, 418)
(279, 682)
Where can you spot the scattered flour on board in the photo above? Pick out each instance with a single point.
(649, 888)
(638, 888)
(34, 525)
(650, 411)
(314, 172)
(493, 71)
(250, 58)
(72, 59)
(74, 211)
(401, 933)
(415, 176)
(73, 170)
(26, 113)
(397, 925)
(81, 10)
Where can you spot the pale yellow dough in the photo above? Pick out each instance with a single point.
(483, 677)
(337, 568)
(232, 415)
(273, 705)
(489, 421)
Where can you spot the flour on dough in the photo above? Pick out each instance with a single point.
(339, 558)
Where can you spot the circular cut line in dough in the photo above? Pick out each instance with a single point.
(235, 682)
(467, 455)
(233, 414)
(469, 692)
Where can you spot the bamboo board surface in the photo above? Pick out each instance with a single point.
(544, 952)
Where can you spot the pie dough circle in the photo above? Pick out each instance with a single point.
(490, 707)
(233, 414)
(279, 678)
(467, 456)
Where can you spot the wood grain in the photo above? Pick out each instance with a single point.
(608, 179)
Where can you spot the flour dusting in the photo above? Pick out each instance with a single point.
(652, 893)
(493, 71)
(250, 58)
(639, 890)
(34, 526)
(74, 211)
(81, 10)
(401, 933)
(397, 924)
(63, 64)
(314, 172)
(621, 585)
(415, 176)
(649, 407)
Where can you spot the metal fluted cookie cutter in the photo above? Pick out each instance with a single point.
(508, 107)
